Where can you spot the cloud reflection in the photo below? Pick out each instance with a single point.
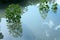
(49, 23)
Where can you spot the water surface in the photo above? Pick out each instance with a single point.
(34, 27)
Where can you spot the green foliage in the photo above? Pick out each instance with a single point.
(54, 7)
(44, 1)
(12, 12)
(13, 15)
(44, 7)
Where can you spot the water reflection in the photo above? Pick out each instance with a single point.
(54, 7)
(35, 30)
(0, 19)
(13, 15)
(15, 29)
(1, 35)
(44, 10)
(23, 3)
(44, 7)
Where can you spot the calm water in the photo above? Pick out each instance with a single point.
(34, 27)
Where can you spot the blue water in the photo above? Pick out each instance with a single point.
(34, 26)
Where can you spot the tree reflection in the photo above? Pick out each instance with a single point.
(54, 7)
(15, 29)
(23, 3)
(44, 10)
(0, 19)
(13, 15)
(44, 7)
(1, 36)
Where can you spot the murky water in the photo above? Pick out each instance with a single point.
(34, 27)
